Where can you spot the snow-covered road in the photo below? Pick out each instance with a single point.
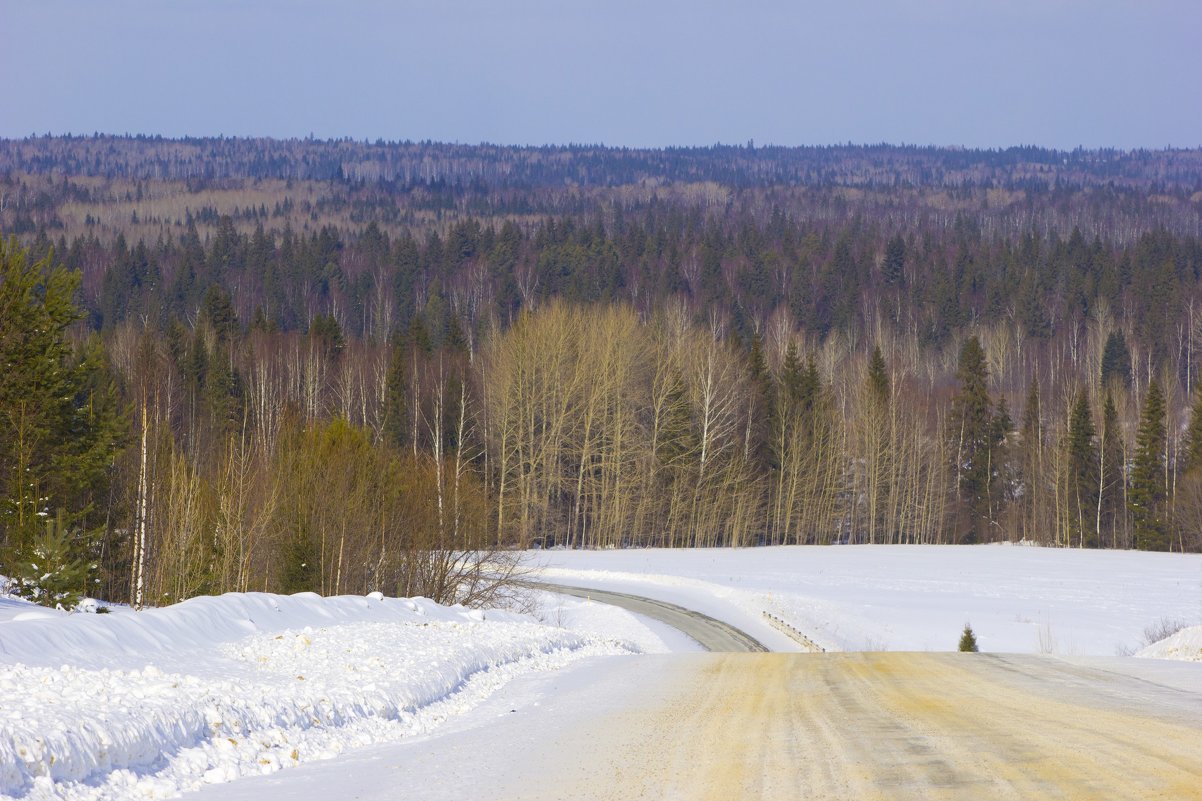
(709, 633)
(789, 726)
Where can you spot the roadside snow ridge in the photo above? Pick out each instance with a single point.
(1185, 645)
(261, 702)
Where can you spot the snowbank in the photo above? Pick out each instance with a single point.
(1185, 645)
(910, 597)
(159, 702)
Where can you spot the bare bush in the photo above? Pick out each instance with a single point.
(1162, 629)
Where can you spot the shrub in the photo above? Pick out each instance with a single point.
(1162, 629)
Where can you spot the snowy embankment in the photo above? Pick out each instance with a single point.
(1185, 645)
(911, 597)
(155, 703)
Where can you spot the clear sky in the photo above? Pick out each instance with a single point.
(979, 73)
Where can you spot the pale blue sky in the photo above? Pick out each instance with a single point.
(983, 73)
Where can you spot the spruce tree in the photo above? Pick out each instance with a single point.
(418, 334)
(787, 403)
(878, 378)
(1001, 479)
(976, 434)
(1191, 460)
(35, 310)
(1111, 479)
(1001, 424)
(792, 376)
(1116, 361)
(59, 426)
(1082, 468)
(763, 416)
(325, 331)
(810, 387)
(894, 266)
(396, 401)
(51, 568)
(968, 640)
(1148, 490)
(299, 568)
(879, 437)
(218, 312)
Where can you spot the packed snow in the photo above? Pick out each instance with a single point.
(152, 704)
(1017, 599)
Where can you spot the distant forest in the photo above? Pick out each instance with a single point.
(311, 364)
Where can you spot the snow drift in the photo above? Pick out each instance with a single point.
(1185, 645)
(155, 703)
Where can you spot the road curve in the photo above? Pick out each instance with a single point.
(711, 634)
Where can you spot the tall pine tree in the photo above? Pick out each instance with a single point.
(1110, 521)
(1116, 361)
(878, 377)
(976, 435)
(1082, 471)
(1148, 489)
(59, 428)
(1191, 460)
(893, 269)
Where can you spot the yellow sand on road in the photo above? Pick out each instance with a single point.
(882, 726)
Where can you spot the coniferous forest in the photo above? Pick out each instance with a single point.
(236, 364)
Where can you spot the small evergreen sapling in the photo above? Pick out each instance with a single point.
(47, 571)
(968, 640)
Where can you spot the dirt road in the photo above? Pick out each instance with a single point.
(879, 726)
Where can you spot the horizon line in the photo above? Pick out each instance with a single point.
(749, 144)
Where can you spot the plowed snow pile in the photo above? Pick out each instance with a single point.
(1185, 645)
(151, 704)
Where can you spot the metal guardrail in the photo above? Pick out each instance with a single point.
(793, 634)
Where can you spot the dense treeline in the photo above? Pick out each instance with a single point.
(464, 166)
(151, 188)
(846, 279)
(240, 402)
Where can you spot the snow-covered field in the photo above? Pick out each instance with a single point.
(153, 704)
(915, 598)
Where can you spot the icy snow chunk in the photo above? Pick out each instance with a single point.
(220, 774)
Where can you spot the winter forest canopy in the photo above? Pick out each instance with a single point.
(236, 364)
